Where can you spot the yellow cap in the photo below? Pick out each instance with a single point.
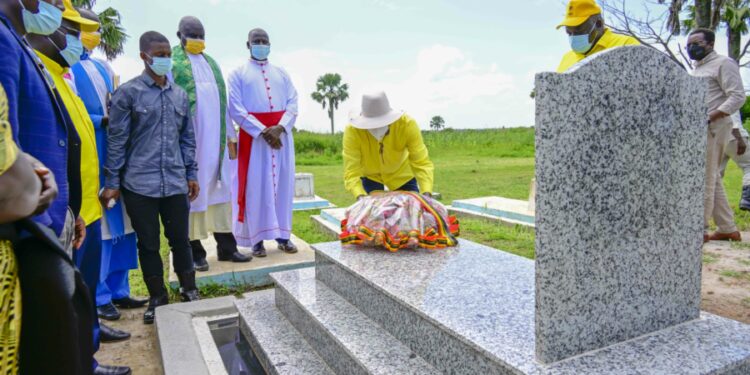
(72, 15)
(579, 11)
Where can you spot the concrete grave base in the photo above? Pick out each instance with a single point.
(254, 273)
(508, 211)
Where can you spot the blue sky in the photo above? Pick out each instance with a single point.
(471, 61)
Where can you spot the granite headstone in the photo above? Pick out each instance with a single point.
(620, 156)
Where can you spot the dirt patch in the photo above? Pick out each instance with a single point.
(726, 279)
(141, 352)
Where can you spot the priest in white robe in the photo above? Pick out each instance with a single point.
(216, 142)
(263, 101)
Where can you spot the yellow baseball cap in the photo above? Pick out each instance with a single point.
(579, 11)
(72, 15)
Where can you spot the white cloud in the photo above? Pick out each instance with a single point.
(441, 80)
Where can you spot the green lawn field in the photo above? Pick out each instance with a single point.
(468, 164)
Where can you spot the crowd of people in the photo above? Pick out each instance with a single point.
(91, 170)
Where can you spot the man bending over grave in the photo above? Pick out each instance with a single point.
(588, 34)
(384, 147)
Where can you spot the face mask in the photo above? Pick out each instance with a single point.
(72, 52)
(91, 40)
(260, 51)
(581, 43)
(160, 65)
(45, 22)
(195, 46)
(697, 52)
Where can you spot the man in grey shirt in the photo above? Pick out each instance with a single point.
(726, 95)
(151, 160)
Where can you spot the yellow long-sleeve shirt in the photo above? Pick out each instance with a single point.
(91, 209)
(607, 41)
(401, 156)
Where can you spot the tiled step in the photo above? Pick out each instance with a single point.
(277, 344)
(345, 338)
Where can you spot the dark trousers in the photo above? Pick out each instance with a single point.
(226, 246)
(88, 260)
(371, 185)
(174, 212)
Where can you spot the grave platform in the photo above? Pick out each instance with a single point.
(310, 203)
(254, 273)
(508, 211)
(466, 310)
(329, 221)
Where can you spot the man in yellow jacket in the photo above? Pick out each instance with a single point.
(588, 35)
(384, 148)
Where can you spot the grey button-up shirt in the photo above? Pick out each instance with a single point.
(151, 142)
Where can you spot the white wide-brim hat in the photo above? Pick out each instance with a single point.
(376, 112)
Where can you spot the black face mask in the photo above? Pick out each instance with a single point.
(697, 52)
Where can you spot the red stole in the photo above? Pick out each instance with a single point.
(268, 119)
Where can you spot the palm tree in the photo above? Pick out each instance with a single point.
(437, 123)
(113, 34)
(331, 92)
(736, 15)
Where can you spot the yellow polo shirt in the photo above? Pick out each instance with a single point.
(401, 156)
(91, 210)
(607, 41)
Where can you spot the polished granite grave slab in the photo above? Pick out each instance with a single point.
(620, 164)
(280, 349)
(471, 309)
(343, 336)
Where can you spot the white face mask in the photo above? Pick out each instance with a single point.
(379, 133)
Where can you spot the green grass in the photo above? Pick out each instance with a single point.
(736, 274)
(469, 163)
(709, 258)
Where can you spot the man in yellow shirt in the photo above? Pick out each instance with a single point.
(384, 147)
(588, 34)
(58, 53)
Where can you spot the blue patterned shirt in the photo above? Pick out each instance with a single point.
(151, 142)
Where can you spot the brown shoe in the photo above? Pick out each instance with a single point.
(725, 237)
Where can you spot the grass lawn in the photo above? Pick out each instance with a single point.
(468, 164)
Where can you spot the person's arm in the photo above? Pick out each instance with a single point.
(353, 163)
(20, 190)
(419, 157)
(730, 82)
(117, 139)
(292, 108)
(232, 138)
(237, 110)
(187, 147)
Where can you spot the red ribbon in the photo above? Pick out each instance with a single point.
(268, 119)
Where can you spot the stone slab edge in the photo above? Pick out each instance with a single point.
(256, 278)
(311, 204)
(461, 212)
(326, 226)
(179, 344)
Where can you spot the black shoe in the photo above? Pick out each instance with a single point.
(112, 370)
(108, 312)
(287, 247)
(259, 250)
(745, 201)
(201, 265)
(236, 257)
(109, 334)
(129, 302)
(188, 289)
(159, 297)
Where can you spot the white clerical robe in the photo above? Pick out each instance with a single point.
(260, 87)
(207, 125)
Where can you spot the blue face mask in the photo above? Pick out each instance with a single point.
(45, 22)
(581, 43)
(160, 65)
(260, 51)
(72, 52)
